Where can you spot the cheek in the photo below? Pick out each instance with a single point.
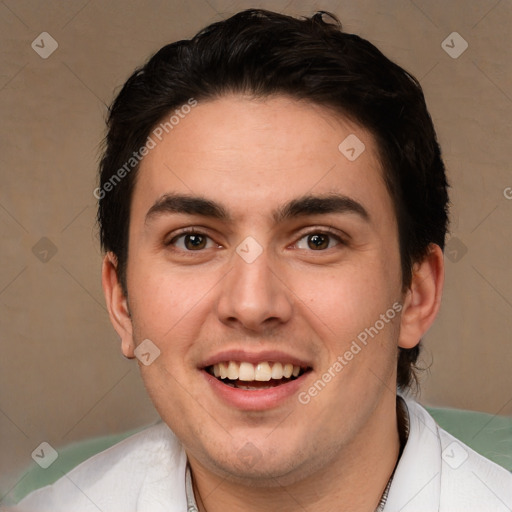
(163, 299)
(342, 303)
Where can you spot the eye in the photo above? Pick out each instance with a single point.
(319, 241)
(191, 241)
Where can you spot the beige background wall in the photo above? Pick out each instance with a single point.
(62, 377)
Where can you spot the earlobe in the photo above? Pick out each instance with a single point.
(423, 299)
(117, 304)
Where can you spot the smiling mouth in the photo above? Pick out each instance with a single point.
(248, 376)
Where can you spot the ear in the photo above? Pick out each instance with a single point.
(117, 304)
(423, 298)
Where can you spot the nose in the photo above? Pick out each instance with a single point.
(254, 296)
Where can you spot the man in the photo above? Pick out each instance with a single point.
(273, 208)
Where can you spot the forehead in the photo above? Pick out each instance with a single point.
(253, 154)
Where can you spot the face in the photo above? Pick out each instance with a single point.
(258, 249)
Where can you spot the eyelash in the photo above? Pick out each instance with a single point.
(318, 231)
(324, 232)
(184, 232)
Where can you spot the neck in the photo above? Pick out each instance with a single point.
(353, 480)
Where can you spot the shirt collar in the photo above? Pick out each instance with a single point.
(417, 481)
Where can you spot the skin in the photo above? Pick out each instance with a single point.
(252, 156)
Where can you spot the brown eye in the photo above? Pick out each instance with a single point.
(194, 242)
(318, 241)
(189, 242)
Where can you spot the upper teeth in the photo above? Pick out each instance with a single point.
(263, 371)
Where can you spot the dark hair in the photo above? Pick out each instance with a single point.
(261, 53)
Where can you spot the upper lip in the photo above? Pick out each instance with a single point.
(242, 355)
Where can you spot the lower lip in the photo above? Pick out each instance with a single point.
(255, 399)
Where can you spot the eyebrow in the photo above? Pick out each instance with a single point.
(320, 205)
(300, 207)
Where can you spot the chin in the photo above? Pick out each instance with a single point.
(259, 463)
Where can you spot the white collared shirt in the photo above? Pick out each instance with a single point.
(146, 473)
